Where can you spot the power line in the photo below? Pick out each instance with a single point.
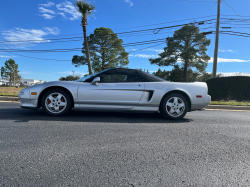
(71, 60)
(135, 31)
(236, 12)
(236, 35)
(124, 33)
(129, 35)
(77, 49)
(168, 22)
(235, 32)
(158, 41)
(35, 57)
(146, 47)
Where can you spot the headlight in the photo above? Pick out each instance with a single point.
(21, 93)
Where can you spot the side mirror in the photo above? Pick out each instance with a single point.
(95, 81)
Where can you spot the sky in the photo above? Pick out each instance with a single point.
(56, 24)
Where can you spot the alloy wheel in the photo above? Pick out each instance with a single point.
(175, 106)
(56, 103)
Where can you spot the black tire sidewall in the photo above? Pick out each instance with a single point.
(66, 95)
(163, 106)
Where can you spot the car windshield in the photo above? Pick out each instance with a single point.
(83, 79)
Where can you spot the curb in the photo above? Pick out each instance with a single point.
(6, 98)
(228, 107)
(216, 107)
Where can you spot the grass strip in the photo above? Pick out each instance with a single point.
(10, 91)
(230, 103)
(9, 95)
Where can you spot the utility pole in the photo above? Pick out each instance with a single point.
(14, 75)
(216, 41)
(73, 73)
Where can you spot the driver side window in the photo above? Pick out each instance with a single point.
(120, 76)
(114, 78)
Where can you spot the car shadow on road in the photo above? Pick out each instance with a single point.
(25, 115)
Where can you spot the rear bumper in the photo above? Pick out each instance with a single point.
(28, 103)
(201, 106)
(207, 99)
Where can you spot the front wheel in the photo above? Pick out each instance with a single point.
(56, 102)
(174, 106)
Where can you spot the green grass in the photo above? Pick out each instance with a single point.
(9, 95)
(230, 103)
(9, 91)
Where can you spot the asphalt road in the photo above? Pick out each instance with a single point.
(210, 148)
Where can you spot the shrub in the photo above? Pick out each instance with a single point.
(229, 88)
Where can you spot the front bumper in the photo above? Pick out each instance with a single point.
(28, 103)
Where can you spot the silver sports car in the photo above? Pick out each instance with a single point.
(117, 89)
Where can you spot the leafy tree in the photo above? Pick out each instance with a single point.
(175, 75)
(106, 51)
(205, 76)
(162, 74)
(85, 9)
(10, 71)
(70, 78)
(187, 45)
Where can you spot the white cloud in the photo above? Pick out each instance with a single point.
(44, 10)
(20, 34)
(71, 73)
(156, 50)
(227, 60)
(48, 4)
(52, 30)
(62, 14)
(233, 74)
(129, 2)
(47, 16)
(68, 8)
(220, 60)
(150, 49)
(144, 56)
(3, 56)
(228, 50)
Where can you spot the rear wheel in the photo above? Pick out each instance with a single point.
(174, 106)
(56, 102)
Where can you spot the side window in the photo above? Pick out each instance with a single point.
(114, 78)
(119, 75)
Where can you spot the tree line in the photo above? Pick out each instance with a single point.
(185, 51)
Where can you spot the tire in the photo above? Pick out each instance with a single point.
(56, 102)
(174, 106)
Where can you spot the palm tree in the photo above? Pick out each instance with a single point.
(85, 9)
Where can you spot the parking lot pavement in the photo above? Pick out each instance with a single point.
(209, 148)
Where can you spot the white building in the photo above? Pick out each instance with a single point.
(28, 82)
(3, 81)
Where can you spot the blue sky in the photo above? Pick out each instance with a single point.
(45, 21)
